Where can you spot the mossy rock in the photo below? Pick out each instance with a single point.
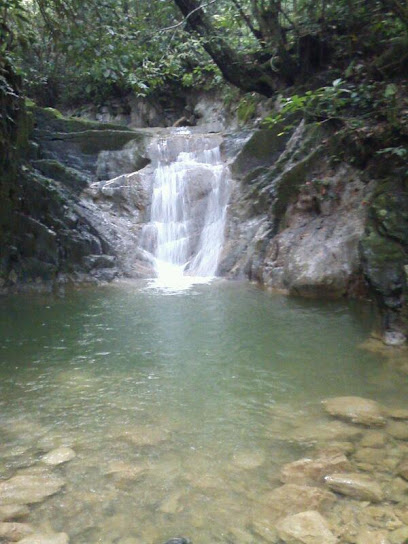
(69, 177)
(389, 212)
(383, 261)
(262, 149)
(52, 120)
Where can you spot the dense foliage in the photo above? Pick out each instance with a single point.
(70, 51)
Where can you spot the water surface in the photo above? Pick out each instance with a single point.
(177, 405)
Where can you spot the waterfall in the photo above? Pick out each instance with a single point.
(185, 234)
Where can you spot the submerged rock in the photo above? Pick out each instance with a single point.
(58, 456)
(398, 413)
(29, 489)
(125, 471)
(178, 540)
(13, 511)
(308, 470)
(373, 439)
(305, 528)
(356, 410)
(322, 432)
(398, 430)
(403, 469)
(248, 459)
(144, 435)
(372, 537)
(172, 505)
(14, 531)
(292, 499)
(355, 485)
(39, 538)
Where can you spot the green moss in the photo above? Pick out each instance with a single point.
(53, 121)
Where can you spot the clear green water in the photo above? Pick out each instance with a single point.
(195, 389)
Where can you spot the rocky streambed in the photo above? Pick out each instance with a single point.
(351, 487)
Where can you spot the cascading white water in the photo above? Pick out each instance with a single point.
(188, 211)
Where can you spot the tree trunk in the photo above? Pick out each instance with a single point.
(241, 71)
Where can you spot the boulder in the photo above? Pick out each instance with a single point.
(356, 410)
(29, 489)
(305, 528)
(307, 470)
(58, 456)
(356, 486)
(292, 499)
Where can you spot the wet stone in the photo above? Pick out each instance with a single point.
(144, 435)
(372, 537)
(373, 439)
(356, 486)
(356, 410)
(58, 456)
(39, 538)
(265, 529)
(400, 536)
(125, 471)
(178, 540)
(323, 432)
(172, 505)
(398, 413)
(308, 470)
(373, 456)
(403, 469)
(13, 511)
(292, 499)
(14, 532)
(248, 460)
(29, 489)
(305, 528)
(398, 430)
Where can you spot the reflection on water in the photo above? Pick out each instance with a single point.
(181, 409)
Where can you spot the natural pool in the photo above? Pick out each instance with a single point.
(181, 407)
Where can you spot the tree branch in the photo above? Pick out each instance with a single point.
(201, 6)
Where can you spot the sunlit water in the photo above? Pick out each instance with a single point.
(177, 406)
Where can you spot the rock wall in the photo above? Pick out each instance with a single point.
(69, 224)
(303, 221)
